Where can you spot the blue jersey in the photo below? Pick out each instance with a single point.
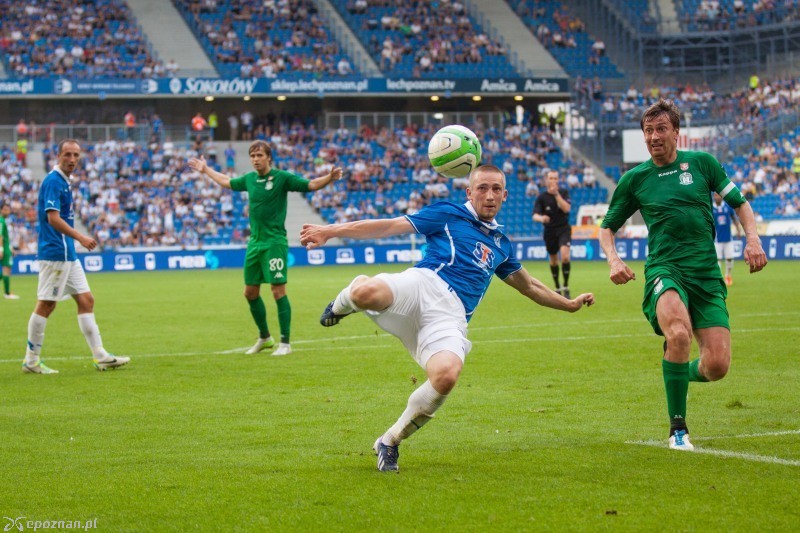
(463, 250)
(723, 218)
(54, 194)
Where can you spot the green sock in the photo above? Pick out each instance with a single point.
(284, 318)
(6, 284)
(694, 372)
(676, 383)
(259, 312)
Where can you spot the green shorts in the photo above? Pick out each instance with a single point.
(704, 298)
(266, 264)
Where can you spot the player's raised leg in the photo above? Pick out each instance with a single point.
(715, 354)
(342, 305)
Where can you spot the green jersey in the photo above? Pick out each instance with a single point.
(268, 200)
(4, 234)
(675, 202)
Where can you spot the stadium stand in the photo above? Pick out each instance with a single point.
(565, 37)
(266, 39)
(77, 39)
(723, 15)
(425, 39)
(20, 191)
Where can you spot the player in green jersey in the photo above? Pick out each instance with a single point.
(5, 254)
(267, 255)
(684, 294)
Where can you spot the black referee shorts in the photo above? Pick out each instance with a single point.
(557, 238)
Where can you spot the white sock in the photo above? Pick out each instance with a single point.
(91, 332)
(728, 267)
(422, 404)
(36, 326)
(343, 304)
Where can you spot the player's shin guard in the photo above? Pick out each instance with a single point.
(565, 268)
(676, 385)
(284, 318)
(91, 333)
(36, 326)
(554, 272)
(422, 405)
(259, 312)
(694, 372)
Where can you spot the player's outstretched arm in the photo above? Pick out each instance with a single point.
(313, 236)
(543, 295)
(754, 254)
(620, 272)
(199, 165)
(322, 181)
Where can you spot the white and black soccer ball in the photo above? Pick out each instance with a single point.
(454, 151)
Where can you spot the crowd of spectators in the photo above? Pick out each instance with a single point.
(747, 109)
(424, 39)
(564, 34)
(20, 191)
(77, 39)
(725, 15)
(266, 39)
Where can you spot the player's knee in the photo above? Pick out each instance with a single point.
(371, 294)
(444, 375)
(679, 338)
(85, 303)
(251, 293)
(716, 369)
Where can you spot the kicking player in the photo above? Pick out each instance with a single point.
(60, 272)
(552, 210)
(267, 258)
(724, 216)
(429, 305)
(684, 294)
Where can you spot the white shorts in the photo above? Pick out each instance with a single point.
(58, 280)
(425, 315)
(724, 250)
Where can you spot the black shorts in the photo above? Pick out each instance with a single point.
(557, 238)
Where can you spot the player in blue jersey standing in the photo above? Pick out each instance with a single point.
(429, 305)
(60, 272)
(724, 216)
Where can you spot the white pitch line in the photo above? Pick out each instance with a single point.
(329, 347)
(723, 453)
(752, 435)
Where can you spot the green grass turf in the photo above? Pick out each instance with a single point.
(193, 435)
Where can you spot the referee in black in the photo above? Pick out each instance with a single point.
(552, 210)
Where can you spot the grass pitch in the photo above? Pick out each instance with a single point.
(558, 422)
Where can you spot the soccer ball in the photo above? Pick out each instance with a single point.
(454, 151)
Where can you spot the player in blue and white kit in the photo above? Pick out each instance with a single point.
(60, 273)
(429, 305)
(724, 216)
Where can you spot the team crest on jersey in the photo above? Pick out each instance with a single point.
(686, 178)
(484, 255)
(497, 239)
(684, 166)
